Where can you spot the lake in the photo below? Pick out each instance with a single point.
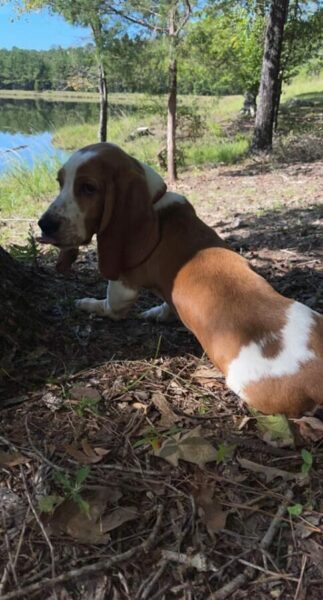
(27, 126)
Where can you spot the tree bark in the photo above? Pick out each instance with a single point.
(172, 99)
(268, 91)
(103, 123)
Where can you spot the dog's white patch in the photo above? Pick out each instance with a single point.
(65, 205)
(250, 365)
(115, 306)
(156, 184)
(169, 199)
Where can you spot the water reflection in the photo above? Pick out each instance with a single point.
(26, 128)
(35, 116)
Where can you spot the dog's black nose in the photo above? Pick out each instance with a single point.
(48, 225)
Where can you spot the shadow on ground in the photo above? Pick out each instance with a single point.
(286, 247)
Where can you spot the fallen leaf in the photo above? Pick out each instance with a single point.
(308, 525)
(271, 472)
(117, 517)
(77, 392)
(94, 529)
(12, 459)
(168, 417)
(316, 553)
(310, 428)
(275, 428)
(101, 451)
(207, 376)
(191, 447)
(90, 526)
(140, 406)
(210, 510)
(89, 455)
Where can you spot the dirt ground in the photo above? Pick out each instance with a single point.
(128, 470)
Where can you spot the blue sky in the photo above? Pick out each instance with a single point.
(38, 30)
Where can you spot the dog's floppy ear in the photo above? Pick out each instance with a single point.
(129, 226)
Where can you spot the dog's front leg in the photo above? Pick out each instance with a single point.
(115, 306)
(162, 313)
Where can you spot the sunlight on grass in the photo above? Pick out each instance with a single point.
(216, 153)
(25, 191)
(303, 85)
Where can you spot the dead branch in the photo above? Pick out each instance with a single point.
(100, 565)
(249, 573)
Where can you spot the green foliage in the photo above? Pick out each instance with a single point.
(227, 152)
(220, 51)
(72, 487)
(223, 50)
(295, 510)
(307, 458)
(29, 252)
(87, 404)
(154, 438)
(224, 452)
(47, 504)
(26, 191)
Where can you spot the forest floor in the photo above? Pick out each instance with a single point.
(129, 471)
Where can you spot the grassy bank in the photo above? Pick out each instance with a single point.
(209, 133)
(203, 135)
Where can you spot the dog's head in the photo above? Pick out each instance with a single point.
(105, 191)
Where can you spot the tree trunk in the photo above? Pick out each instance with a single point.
(172, 99)
(277, 101)
(268, 91)
(103, 124)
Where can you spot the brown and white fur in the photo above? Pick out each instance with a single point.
(269, 347)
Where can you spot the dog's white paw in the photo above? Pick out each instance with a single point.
(100, 308)
(162, 313)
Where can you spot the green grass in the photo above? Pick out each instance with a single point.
(303, 86)
(129, 111)
(219, 152)
(25, 192)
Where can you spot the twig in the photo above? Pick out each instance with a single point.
(4, 577)
(267, 571)
(274, 525)
(39, 454)
(146, 593)
(232, 586)
(100, 565)
(198, 561)
(249, 573)
(299, 584)
(147, 545)
(41, 526)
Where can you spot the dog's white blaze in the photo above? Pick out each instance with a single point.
(169, 199)
(65, 205)
(156, 185)
(250, 365)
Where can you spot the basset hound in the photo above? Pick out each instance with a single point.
(270, 348)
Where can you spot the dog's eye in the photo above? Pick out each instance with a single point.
(88, 189)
